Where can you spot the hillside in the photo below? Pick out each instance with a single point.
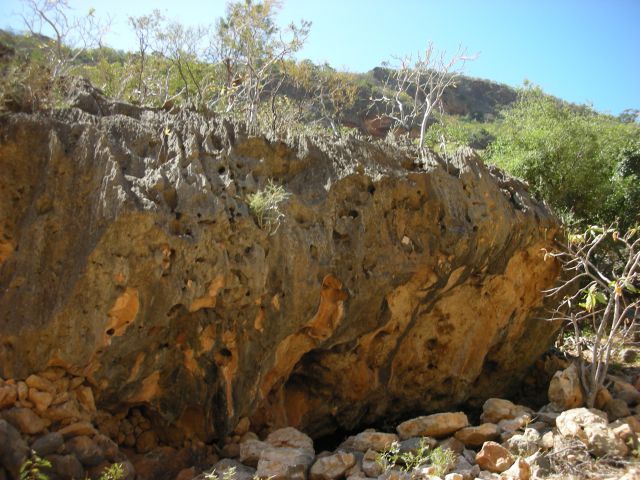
(472, 99)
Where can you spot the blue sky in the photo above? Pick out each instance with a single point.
(583, 51)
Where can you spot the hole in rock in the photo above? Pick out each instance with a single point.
(111, 331)
(353, 214)
(221, 170)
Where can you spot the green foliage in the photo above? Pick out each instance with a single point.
(442, 460)
(31, 468)
(265, 206)
(324, 96)
(600, 289)
(228, 474)
(450, 132)
(114, 472)
(251, 47)
(569, 156)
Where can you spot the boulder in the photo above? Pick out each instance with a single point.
(40, 383)
(476, 436)
(130, 251)
(466, 469)
(332, 467)
(78, 428)
(108, 447)
(514, 424)
(372, 464)
(565, 391)
(41, 400)
(284, 463)
(413, 444)
(291, 438)
(603, 441)
(494, 458)
(602, 398)
(66, 466)
(623, 390)
(616, 408)
(8, 396)
(242, 472)
(85, 450)
(591, 427)
(163, 463)
(572, 422)
(454, 476)
(48, 444)
(520, 470)
(524, 444)
(250, 452)
(497, 409)
(436, 425)
(13, 448)
(25, 420)
(453, 444)
(371, 440)
(146, 441)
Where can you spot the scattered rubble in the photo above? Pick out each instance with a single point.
(513, 442)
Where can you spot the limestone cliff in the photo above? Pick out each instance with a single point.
(129, 256)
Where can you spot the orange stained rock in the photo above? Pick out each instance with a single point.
(122, 314)
(6, 249)
(320, 327)
(275, 301)
(207, 338)
(258, 323)
(330, 310)
(136, 367)
(208, 300)
(190, 362)
(148, 390)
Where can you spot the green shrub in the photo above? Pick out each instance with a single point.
(30, 469)
(442, 460)
(569, 155)
(265, 206)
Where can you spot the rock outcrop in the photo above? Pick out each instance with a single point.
(129, 258)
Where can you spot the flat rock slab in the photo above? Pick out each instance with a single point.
(436, 425)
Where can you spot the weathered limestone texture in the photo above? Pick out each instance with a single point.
(129, 257)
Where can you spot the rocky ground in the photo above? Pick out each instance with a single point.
(53, 415)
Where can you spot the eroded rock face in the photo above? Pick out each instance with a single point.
(129, 257)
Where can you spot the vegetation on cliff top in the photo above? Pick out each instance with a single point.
(583, 163)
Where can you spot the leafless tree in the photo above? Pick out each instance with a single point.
(70, 35)
(181, 46)
(608, 302)
(145, 28)
(414, 88)
(250, 44)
